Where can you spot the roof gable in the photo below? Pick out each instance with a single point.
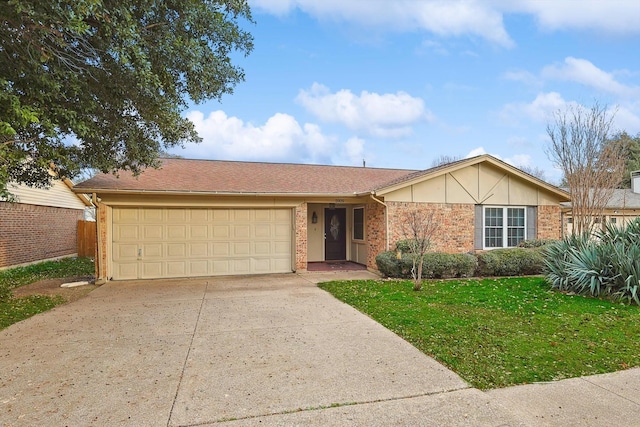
(449, 168)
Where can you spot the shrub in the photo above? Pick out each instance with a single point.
(436, 265)
(510, 262)
(606, 265)
(535, 243)
(440, 265)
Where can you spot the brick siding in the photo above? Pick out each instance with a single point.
(30, 233)
(376, 233)
(549, 222)
(455, 221)
(102, 272)
(301, 237)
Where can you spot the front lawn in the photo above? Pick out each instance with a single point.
(13, 309)
(501, 332)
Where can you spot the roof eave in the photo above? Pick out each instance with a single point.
(112, 191)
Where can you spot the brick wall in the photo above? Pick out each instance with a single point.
(375, 232)
(455, 221)
(102, 272)
(549, 222)
(31, 233)
(301, 237)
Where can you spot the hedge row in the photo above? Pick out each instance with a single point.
(438, 265)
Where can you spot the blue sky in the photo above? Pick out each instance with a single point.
(401, 83)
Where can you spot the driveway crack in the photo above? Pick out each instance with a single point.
(186, 359)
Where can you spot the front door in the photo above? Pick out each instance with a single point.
(335, 234)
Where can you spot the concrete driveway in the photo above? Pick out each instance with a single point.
(267, 350)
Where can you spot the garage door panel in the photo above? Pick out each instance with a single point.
(241, 231)
(241, 249)
(177, 215)
(281, 248)
(126, 232)
(152, 232)
(241, 266)
(152, 270)
(176, 250)
(221, 231)
(221, 249)
(175, 242)
(282, 231)
(221, 267)
(176, 269)
(199, 232)
(262, 265)
(177, 232)
(126, 215)
(153, 215)
(124, 251)
(281, 265)
(198, 249)
(262, 248)
(152, 250)
(127, 270)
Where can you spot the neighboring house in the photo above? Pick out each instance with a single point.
(41, 224)
(622, 208)
(204, 218)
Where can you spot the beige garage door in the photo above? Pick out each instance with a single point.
(155, 243)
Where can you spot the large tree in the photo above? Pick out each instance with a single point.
(102, 83)
(631, 149)
(592, 167)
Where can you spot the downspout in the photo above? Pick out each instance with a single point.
(386, 220)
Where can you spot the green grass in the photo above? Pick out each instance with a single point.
(501, 332)
(13, 310)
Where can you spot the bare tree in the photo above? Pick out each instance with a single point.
(533, 171)
(592, 168)
(444, 159)
(418, 227)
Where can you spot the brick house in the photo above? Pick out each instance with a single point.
(41, 224)
(203, 218)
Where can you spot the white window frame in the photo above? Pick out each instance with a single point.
(505, 226)
(364, 227)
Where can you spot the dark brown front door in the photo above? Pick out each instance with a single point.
(335, 234)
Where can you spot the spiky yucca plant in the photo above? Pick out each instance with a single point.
(606, 264)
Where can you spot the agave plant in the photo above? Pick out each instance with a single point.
(606, 264)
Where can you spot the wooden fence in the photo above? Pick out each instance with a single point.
(87, 238)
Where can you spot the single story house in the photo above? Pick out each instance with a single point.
(622, 208)
(204, 218)
(41, 224)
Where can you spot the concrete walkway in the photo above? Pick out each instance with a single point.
(268, 350)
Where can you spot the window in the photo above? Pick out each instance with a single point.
(358, 224)
(504, 227)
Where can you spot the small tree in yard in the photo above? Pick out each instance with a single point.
(592, 167)
(418, 227)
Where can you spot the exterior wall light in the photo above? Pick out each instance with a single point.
(314, 218)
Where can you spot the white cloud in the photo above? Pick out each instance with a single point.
(611, 16)
(452, 18)
(584, 72)
(515, 160)
(384, 116)
(518, 160)
(355, 150)
(475, 152)
(477, 18)
(540, 109)
(523, 76)
(230, 138)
